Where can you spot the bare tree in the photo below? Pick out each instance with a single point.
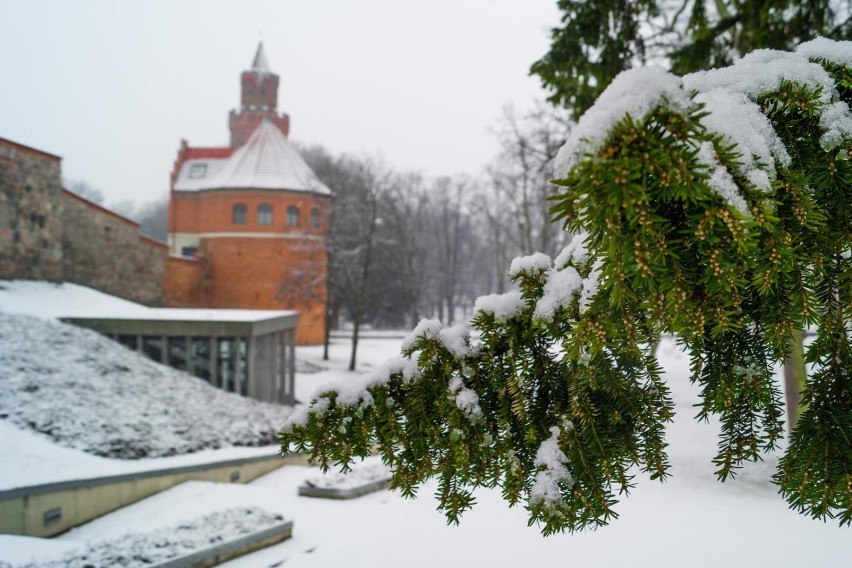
(520, 180)
(153, 218)
(83, 189)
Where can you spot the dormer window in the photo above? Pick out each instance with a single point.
(197, 171)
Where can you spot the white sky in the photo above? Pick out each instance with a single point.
(113, 86)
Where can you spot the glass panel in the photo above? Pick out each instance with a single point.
(177, 353)
(314, 218)
(197, 171)
(201, 357)
(242, 361)
(293, 216)
(128, 341)
(153, 346)
(227, 364)
(264, 214)
(239, 214)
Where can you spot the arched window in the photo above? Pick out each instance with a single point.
(293, 216)
(314, 218)
(238, 214)
(264, 214)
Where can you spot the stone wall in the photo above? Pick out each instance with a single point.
(30, 214)
(104, 250)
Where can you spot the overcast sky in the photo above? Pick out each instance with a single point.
(113, 86)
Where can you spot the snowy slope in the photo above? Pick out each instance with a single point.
(87, 392)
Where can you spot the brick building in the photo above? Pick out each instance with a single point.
(248, 224)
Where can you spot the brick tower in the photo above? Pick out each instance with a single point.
(248, 223)
(258, 101)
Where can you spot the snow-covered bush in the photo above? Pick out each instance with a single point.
(716, 207)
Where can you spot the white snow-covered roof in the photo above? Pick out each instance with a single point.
(191, 314)
(212, 167)
(49, 300)
(266, 161)
(260, 64)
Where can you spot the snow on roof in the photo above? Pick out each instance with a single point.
(193, 314)
(197, 173)
(266, 161)
(51, 300)
(260, 64)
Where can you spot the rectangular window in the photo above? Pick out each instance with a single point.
(177, 353)
(153, 346)
(293, 216)
(264, 214)
(189, 251)
(128, 341)
(242, 362)
(201, 357)
(238, 214)
(227, 364)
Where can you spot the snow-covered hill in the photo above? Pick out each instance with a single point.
(87, 392)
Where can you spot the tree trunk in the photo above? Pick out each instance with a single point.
(361, 301)
(327, 338)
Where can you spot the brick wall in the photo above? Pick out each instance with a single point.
(258, 91)
(185, 283)
(242, 124)
(30, 214)
(270, 274)
(211, 211)
(104, 250)
(253, 266)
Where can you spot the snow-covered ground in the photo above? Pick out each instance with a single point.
(691, 520)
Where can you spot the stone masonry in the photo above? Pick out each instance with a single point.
(104, 250)
(47, 233)
(30, 213)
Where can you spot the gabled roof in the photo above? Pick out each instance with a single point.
(266, 161)
(260, 64)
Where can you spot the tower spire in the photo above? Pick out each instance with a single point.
(258, 100)
(260, 64)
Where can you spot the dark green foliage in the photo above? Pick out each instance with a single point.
(608, 403)
(600, 38)
(557, 406)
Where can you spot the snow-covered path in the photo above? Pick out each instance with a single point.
(691, 520)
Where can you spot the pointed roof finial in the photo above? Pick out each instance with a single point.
(260, 63)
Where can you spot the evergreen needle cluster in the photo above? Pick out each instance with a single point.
(717, 208)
